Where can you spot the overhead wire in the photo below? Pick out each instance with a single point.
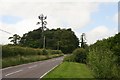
(5, 31)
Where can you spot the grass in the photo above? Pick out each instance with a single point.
(11, 51)
(15, 55)
(12, 61)
(70, 70)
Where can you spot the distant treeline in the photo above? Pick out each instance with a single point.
(62, 39)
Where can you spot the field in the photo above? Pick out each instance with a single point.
(70, 70)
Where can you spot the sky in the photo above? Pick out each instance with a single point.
(97, 19)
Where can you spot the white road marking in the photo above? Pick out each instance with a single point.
(32, 66)
(13, 72)
(49, 70)
(21, 65)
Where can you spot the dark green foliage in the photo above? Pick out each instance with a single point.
(112, 44)
(82, 40)
(104, 57)
(63, 39)
(44, 52)
(15, 39)
(102, 63)
(78, 55)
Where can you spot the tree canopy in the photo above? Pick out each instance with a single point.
(63, 39)
(15, 39)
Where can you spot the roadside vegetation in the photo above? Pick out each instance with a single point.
(101, 58)
(104, 57)
(70, 70)
(15, 55)
(78, 55)
(29, 47)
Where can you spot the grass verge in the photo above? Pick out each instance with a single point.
(70, 70)
(12, 61)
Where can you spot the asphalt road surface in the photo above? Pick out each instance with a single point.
(30, 71)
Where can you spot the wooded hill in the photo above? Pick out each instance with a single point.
(62, 39)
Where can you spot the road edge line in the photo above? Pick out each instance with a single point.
(13, 72)
(49, 71)
(27, 63)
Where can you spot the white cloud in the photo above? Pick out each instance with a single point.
(99, 33)
(115, 17)
(72, 14)
(59, 0)
(19, 28)
(60, 14)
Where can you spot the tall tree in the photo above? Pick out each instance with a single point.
(43, 26)
(15, 39)
(82, 39)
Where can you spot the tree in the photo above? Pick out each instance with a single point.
(43, 26)
(62, 39)
(82, 39)
(15, 39)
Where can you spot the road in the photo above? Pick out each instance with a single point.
(30, 71)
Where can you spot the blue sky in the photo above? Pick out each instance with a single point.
(104, 16)
(9, 19)
(94, 19)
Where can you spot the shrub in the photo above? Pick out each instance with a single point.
(44, 52)
(56, 52)
(102, 63)
(80, 55)
(69, 58)
(11, 51)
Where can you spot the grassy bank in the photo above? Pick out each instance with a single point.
(12, 61)
(15, 55)
(11, 51)
(70, 70)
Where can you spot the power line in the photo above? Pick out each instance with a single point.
(5, 31)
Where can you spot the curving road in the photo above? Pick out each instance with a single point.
(30, 71)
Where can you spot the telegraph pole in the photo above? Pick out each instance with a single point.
(43, 26)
